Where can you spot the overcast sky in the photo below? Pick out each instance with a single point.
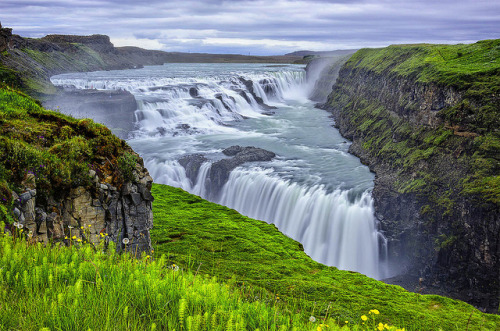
(257, 27)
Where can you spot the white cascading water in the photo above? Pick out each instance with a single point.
(202, 110)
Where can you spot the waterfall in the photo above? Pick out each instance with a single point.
(190, 112)
(190, 105)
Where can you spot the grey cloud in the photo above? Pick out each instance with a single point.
(185, 25)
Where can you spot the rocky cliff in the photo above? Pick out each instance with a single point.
(70, 181)
(426, 119)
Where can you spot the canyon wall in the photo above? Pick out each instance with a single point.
(430, 133)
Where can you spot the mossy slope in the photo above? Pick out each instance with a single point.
(212, 239)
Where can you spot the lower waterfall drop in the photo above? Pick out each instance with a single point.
(332, 229)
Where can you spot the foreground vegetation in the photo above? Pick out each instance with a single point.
(266, 282)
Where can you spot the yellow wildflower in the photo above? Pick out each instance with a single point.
(380, 326)
(74, 237)
(374, 311)
(364, 318)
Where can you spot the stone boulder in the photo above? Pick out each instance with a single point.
(220, 170)
(192, 164)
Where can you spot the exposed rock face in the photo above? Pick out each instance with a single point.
(102, 212)
(220, 170)
(5, 38)
(450, 240)
(192, 164)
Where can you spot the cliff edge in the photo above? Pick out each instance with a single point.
(426, 119)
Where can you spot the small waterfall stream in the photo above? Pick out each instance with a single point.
(314, 191)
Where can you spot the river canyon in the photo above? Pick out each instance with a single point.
(194, 125)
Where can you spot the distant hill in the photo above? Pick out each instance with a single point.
(322, 53)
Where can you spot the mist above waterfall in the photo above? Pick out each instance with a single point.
(313, 190)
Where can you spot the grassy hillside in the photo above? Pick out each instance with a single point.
(211, 239)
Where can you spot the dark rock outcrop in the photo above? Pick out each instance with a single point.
(192, 164)
(5, 38)
(220, 170)
(102, 212)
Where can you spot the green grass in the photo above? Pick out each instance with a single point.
(84, 288)
(455, 65)
(215, 240)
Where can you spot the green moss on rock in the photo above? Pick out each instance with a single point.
(59, 150)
